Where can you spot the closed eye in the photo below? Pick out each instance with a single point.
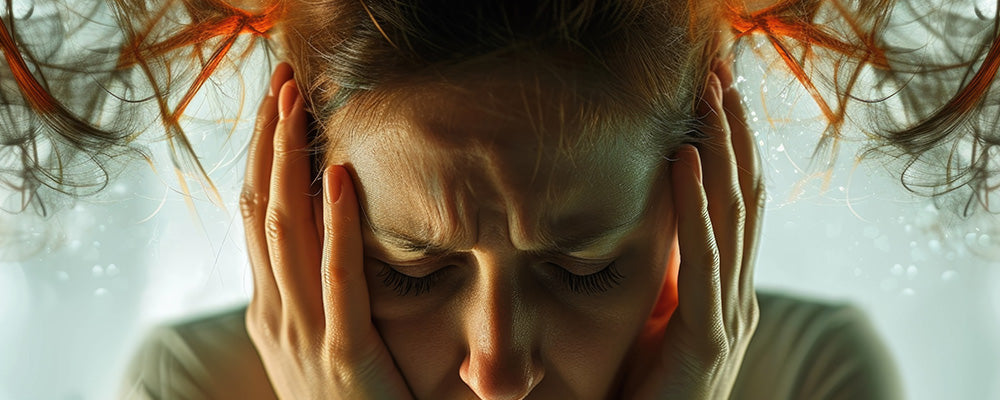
(591, 284)
(595, 283)
(404, 284)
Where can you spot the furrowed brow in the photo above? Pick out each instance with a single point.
(408, 243)
(577, 239)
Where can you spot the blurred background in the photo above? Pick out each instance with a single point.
(79, 290)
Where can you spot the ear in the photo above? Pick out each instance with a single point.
(666, 302)
(666, 215)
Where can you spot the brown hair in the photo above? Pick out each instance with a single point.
(925, 102)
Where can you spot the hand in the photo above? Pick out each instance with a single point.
(718, 223)
(309, 317)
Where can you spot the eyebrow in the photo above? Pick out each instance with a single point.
(562, 244)
(410, 244)
(581, 240)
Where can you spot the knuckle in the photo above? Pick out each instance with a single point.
(365, 369)
(352, 352)
(737, 208)
(341, 345)
(760, 192)
(716, 350)
(261, 326)
(264, 119)
(346, 343)
(290, 337)
(711, 254)
(752, 315)
(251, 201)
(274, 225)
(282, 145)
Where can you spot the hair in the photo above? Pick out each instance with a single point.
(889, 68)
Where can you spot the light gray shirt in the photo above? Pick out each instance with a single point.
(802, 349)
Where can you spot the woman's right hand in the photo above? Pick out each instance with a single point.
(718, 194)
(309, 316)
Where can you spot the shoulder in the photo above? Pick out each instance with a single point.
(210, 357)
(805, 348)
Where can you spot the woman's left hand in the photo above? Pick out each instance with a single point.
(718, 223)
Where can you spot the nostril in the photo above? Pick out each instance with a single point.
(492, 378)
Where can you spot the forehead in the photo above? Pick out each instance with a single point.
(435, 156)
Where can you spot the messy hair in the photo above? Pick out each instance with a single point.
(915, 79)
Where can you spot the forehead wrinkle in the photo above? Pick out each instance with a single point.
(444, 199)
(533, 206)
(458, 139)
(437, 205)
(524, 212)
(620, 204)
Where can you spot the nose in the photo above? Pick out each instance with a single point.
(500, 377)
(502, 362)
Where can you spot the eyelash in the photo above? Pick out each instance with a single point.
(593, 284)
(404, 284)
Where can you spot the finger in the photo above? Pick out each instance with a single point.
(345, 292)
(725, 200)
(292, 242)
(749, 171)
(742, 139)
(698, 282)
(253, 198)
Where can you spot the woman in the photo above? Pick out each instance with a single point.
(521, 238)
(547, 200)
(491, 310)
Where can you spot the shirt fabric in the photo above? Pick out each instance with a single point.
(802, 349)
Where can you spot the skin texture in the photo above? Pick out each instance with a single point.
(458, 171)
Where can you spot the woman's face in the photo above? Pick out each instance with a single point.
(507, 254)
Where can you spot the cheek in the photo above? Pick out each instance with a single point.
(600, 351)
(588, 345)
(424, 340)
(428, 351)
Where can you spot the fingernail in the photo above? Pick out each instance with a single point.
(289, 95)
(332, 185)
(275, 86)
(691, 158)
(715, 84)
(725, 74)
